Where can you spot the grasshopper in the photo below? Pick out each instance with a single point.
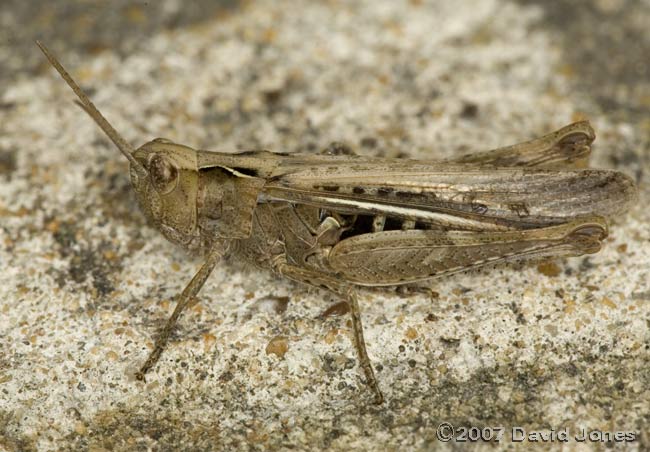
(343, 222)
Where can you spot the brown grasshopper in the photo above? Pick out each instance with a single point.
(340, 221)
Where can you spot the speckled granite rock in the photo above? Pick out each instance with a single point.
(85, 283)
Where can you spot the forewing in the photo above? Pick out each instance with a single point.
(453, 196)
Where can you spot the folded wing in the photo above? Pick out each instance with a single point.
(451, 195)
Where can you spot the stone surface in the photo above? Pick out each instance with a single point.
(85, 282)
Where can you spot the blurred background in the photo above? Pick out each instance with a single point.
(604, 42)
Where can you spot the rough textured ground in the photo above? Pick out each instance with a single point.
(85, 283)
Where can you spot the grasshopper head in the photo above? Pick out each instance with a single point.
(166, 180)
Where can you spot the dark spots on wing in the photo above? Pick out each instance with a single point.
(479, 208)
(521, 209)
(406, 195)
(252, 153)
(388, 192)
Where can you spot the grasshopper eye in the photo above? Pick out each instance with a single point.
(164, 175)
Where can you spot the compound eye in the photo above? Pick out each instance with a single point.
(164, 175)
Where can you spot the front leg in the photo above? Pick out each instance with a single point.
(349, 294)
(186, 299)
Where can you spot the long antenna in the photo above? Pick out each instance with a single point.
(124, 147)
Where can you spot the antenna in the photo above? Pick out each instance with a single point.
(124, 147)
